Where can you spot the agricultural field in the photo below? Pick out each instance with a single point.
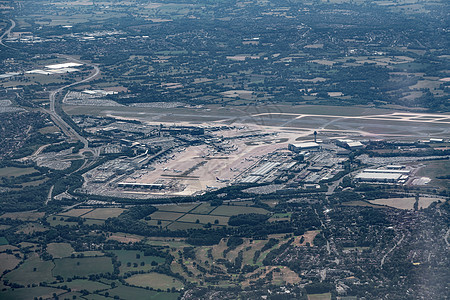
(229, 210)
(405, 203)
(326, 296)
(182, 208)
(69, 267)
(15, 172)
(438, 171)
(3, 241)
(33, 270)
(8, 262)
(59, 220)
(82, 284)
(132, 260)
(103, 213)
(60, 250)
(204, 219)
(199, 215)
(24, 215)
(127, 292)
(30, 228)
(183, 226)
(155, 281)
(30, 293)
(76, 212)
(125, 238)
(89, 216)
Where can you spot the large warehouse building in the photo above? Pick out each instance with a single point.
(383, 175)
(303, 146)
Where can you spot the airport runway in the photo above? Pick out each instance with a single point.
(334, 120)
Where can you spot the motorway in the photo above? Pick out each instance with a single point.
(6, 33)
(66, 128)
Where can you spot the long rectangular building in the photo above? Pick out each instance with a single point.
(378, 177)
(303, 146)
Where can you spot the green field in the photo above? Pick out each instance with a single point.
(131, 256)
(177, 208)
(226, 210)
(155, 223)
(93, 222)
(8, 262)
(76, 212)
(24, 215)
(58, 220)
(82, 284)
(30, 293)
(173, 219)
(59, 250)
(96, 297)
(49, 129)
(69, 267)
(131, 293)
(326, 296)
(30, 228)
(3, 241)
(15, 172)
(104, 213)
(169, 216)
(434, 169)
(183, 226)
(204, 208)
(155, 280)
(204, 219)
(33, 270)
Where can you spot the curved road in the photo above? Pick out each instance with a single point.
(6, 33)
(66, 128)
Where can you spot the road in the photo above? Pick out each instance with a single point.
(49, 197)
(446, 238)
(392, 249)
(66, 128)
(6, 33)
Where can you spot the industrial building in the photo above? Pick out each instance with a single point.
(175, 130)
(303, 146)
(139, 185)
(349, 144)
(391, 175)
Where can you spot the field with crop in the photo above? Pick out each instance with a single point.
(436, 170)
(30, 293)
(69, 267)
(23, 215)
(326, 296)
(199, 215)
(15, 172)
(8, 262)
(127, 292)
(59, 250)
(405, 203)
(103, 213)
(156, 281)
(33, 270)
(82, 284)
